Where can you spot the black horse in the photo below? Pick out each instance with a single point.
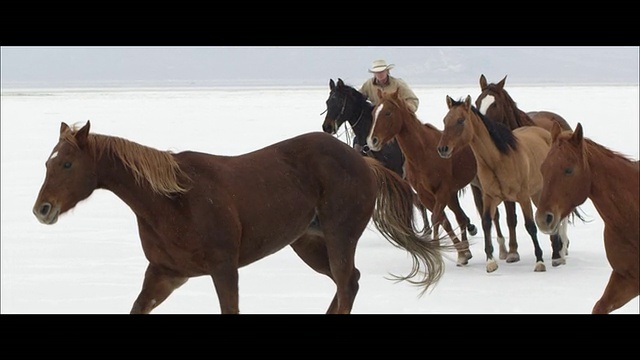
(345, 103)
(348, 104)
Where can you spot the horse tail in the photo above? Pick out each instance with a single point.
(394, 215)
(426, 227)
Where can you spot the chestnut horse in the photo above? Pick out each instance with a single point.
(202, 214)
(578, 168)
(508, 164)
(437, 181)
(496, 103)
(346, 104)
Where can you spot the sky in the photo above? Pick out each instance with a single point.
(311, 66)
(91, 261)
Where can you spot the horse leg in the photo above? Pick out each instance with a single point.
(512, 220)
(619, 291)
(562, 231)
(439, 218)
(313, 251)
(158, 284)
(532, 229)
(488, 214)
(463, 221)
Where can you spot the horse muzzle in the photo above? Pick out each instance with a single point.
(444, 152)
(46, 213)
(548, 223)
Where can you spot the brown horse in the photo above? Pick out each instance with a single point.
(508, 167)
(202, 214)
(496, 103)
(578, 168)
(437, 181)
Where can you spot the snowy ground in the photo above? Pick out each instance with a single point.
(91, 261)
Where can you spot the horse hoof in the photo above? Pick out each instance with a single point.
(502, 256)
(472, 229)
(558, 262)
(513, 257)
(539, 267)
(492, 266)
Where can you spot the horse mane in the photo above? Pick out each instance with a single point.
(158, 168)
(595, 148)
(359, 97)
(501, 135)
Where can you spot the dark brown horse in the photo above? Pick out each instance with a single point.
(578, 168)
(202, 214)
(437, 181)
(496, 103)
(508, 167)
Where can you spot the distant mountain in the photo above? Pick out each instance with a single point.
(312, 66)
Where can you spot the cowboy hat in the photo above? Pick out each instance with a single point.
(380, 65)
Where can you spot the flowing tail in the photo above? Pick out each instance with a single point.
(394, 217)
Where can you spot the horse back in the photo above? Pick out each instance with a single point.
(266, 199)
(545, 120)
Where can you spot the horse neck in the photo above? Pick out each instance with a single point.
(416, 138)
(609, 174)
(516, 118)
(484, 149)
(360, 119)
(115, 176)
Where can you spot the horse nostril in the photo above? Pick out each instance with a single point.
(549, 218)
(44, 209)
(366, 149)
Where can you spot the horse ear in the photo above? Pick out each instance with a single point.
(483, 82)
(577, 136)
(64, 128)
(501, 83)
(467, 102)
(555, 131)
(332, 85)
(449, 102)
(340, 82)
(380, 93)
(82, 134)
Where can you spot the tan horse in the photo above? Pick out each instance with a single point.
(508, 167)
(578, 168)
(496, 103)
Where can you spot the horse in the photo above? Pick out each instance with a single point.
(437, 181)
(496, 103)
(346, 104)
(508, 164)
(578, 168)
(202, 214)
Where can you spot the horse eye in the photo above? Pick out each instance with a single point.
(568, 171)
(460, 121)
(66, 165)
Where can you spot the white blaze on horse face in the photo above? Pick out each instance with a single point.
(373, 126)
(485, 103)
(53, 155)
